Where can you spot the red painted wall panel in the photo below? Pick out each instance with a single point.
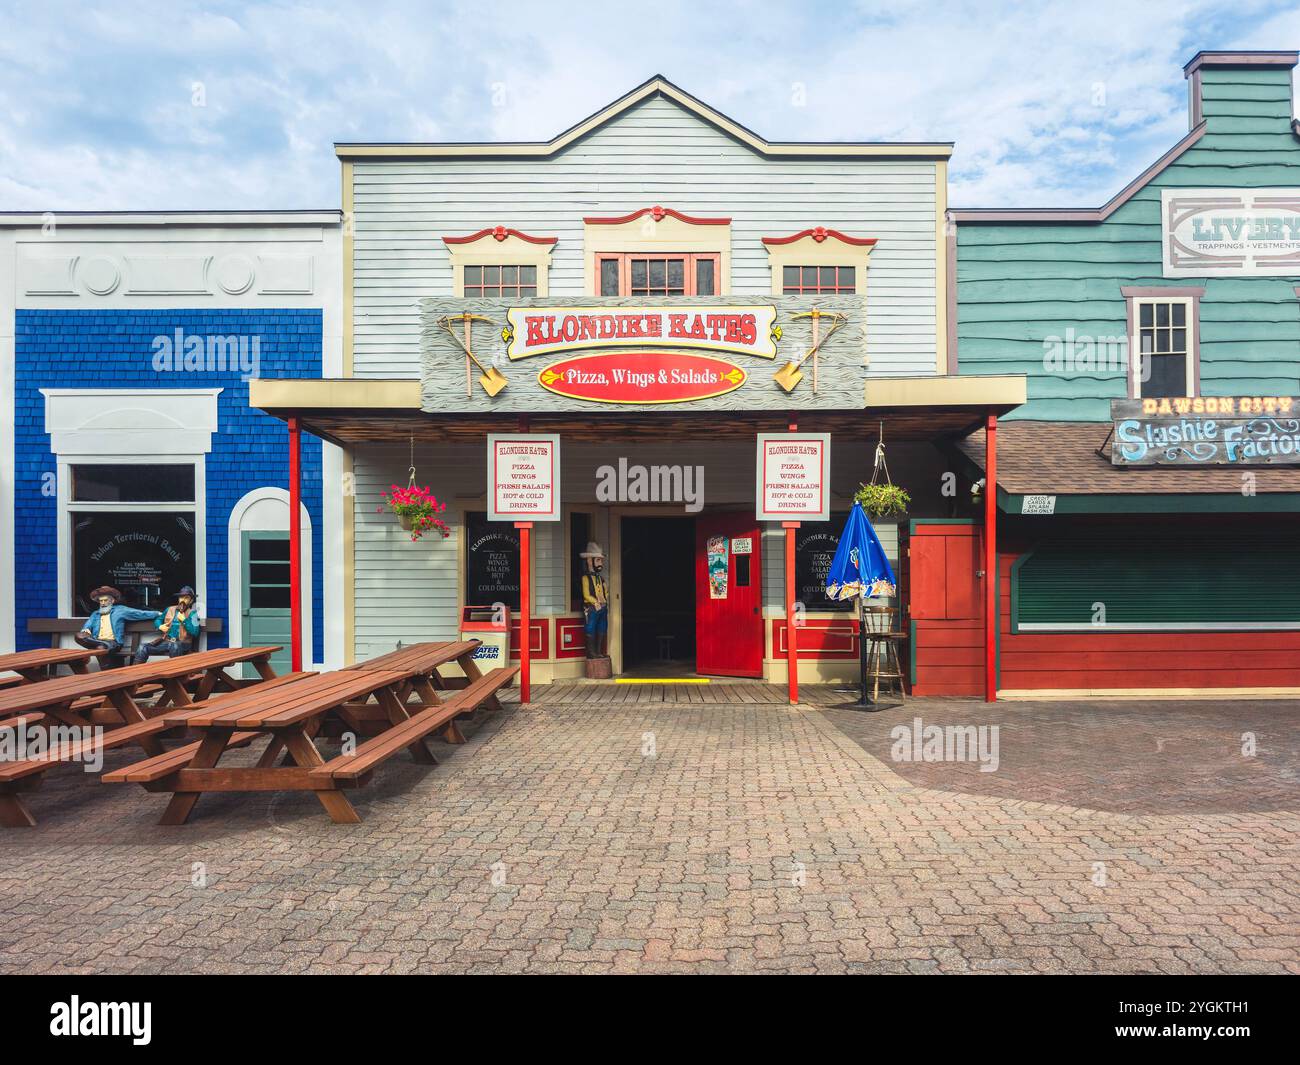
(1157, 660)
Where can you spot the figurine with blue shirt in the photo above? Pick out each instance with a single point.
(179, 624)
(106, 627)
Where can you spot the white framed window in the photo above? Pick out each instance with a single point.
(1164, 342)
(499, 262)
(131, 508)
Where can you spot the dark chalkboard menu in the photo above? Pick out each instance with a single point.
(145, 556)
(814, 550)
(491, 562)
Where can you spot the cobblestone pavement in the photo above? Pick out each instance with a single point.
(623, 837)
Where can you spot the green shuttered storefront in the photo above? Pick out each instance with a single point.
(1157, 578)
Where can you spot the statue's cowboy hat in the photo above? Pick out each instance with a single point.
(106, 589)
(594, 550)
(185, 590)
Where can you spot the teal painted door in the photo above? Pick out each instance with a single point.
(266, 593)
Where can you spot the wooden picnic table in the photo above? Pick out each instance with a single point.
(34, 666)
(293, 716)
(425, 659)
(69, 701)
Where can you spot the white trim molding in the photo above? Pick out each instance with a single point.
(124, 426)
(266, 510)
(499, 247)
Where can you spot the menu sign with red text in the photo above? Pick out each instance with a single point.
(793, 476)
(523, 477)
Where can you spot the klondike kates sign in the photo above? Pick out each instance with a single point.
(1230, 232)
(1206, 431)
(715, 353)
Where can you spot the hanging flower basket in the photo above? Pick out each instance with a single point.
(883, 500)
(417, 510)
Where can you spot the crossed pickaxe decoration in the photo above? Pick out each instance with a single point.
(789, 376)
(492, 379)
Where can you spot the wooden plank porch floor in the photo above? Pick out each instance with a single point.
(738, 693)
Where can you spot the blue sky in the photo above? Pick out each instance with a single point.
(236, 105)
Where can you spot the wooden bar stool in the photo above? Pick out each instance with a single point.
(883, 663)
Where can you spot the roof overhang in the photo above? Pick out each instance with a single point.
(656, 86)
(351, 411)
(173, 218)
(979, 394)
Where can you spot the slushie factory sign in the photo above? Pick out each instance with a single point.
(523, 477)
(1230, 232)
(793, 476)
(1206, 431)
(642, 377)
(548, 330)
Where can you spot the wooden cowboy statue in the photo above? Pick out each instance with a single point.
(595, 600)
(179, 625)
(106, 627)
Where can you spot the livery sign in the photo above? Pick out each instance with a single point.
(1230, 232)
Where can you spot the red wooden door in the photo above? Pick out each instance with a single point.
(728, 596)
(946, 608)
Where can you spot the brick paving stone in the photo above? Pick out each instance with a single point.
(759, 838)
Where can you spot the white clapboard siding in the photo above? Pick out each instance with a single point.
(656, 153)
(409, 592)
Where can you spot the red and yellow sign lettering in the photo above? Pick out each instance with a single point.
(642, 377)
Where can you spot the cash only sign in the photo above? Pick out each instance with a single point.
(648, 354)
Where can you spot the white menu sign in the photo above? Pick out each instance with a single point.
(523, 477)
(793, 476)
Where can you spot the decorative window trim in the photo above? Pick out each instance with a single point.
(819, 246)
(499, 246)
(123, 426)
(656, 230)
(1135, 294)
(264, 510)
(624, 260)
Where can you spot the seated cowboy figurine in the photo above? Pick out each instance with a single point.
(106, 626)
(179, 625)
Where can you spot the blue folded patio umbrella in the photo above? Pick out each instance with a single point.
(860, 568)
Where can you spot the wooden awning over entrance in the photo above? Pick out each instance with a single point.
(358, 411)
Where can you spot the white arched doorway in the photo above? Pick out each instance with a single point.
(257, 539)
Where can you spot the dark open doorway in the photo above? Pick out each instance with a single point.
(658, 573)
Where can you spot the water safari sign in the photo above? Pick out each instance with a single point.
(1206, 431)
(547, 330)
(642, 377)
(1230, 232)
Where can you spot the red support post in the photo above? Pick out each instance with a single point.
(791, 637)
(990, 558)
(295, 545)
(525, 636)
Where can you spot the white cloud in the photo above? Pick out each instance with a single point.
(1056, 103)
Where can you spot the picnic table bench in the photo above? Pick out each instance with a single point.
(134, 631)
(39, 664)
(70, 701)
(26, 774)
(294, 715)
(425, 659)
